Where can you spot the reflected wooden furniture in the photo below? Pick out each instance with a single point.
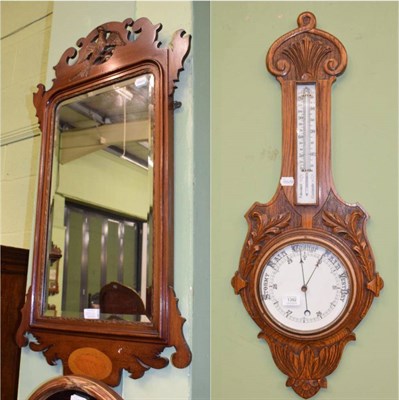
(14, 266)
(116, 298)
(61, 388)
(54, 256)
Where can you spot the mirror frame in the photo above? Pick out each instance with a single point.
(112, 345)
(91, 387)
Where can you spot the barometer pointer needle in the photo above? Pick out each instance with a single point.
(304, 287)
(314, 269)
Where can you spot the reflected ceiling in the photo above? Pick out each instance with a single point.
(117, 121)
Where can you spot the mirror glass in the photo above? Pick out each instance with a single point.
(101, 205)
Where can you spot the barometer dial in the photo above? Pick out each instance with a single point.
(304, 287)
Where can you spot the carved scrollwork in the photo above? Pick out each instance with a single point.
(95, 49)
(131, 356)
(306, 53)
(117, 41)
(182, 357)
(23, 328)
(102, 42)
(178, 50)
(138, 366)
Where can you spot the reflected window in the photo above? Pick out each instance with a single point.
(100, 247)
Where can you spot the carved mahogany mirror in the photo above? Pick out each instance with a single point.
(105, 203)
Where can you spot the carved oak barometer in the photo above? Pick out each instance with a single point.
(306, 275)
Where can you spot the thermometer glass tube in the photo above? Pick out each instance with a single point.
(306, 178)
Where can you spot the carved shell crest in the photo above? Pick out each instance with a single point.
(306, 53)
(306, 56)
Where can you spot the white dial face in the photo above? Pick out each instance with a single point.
(306, 186)
(304, 286)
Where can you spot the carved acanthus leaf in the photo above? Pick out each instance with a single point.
(351, 229)
(307, 366)
(262, 227)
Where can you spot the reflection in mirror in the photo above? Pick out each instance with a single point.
(101, 204)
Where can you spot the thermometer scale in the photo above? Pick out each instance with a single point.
(306, 144)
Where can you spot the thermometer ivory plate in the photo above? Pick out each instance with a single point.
(304, 287)
(306, 143)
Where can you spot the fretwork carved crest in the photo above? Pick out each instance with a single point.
(121, 43)
(100, 50)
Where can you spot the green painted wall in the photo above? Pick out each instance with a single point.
(20, 41)
(246, 150)
(201, 342)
